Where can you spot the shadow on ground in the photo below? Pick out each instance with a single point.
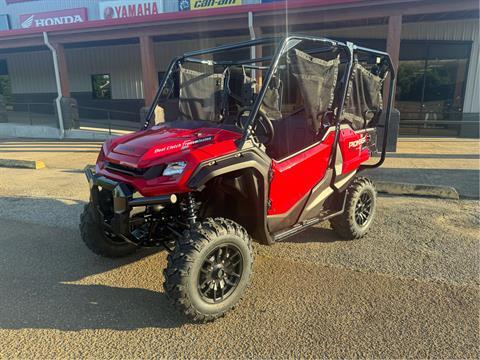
(38, 261)
(314, 235)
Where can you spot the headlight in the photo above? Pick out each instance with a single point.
(175, 168)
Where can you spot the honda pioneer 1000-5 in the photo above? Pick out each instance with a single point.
(232, 150)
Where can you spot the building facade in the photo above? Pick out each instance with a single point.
(110, 54)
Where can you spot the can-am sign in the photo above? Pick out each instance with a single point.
(52, 18)
(129, 8)
(185, 5)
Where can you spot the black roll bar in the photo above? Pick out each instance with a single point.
(391, 95)
(348, 47)
(268, 77)
(345, 82)
(151, 110)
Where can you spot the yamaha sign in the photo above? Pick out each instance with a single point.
(119, 9)
(52, 18)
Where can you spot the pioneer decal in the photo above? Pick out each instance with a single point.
(356, 143)
(53, 18)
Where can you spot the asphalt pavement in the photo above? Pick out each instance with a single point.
(410, 288)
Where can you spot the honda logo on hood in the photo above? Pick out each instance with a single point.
(52, 18)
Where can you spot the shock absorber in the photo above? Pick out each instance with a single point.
(191, 209)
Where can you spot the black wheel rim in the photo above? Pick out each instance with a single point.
(363, 209)
(220, 273)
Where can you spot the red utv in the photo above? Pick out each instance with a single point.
(233, 150)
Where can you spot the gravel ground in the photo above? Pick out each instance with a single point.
(408, 289)
(59, 300)
(416, 238)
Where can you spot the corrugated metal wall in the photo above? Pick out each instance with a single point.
(122, 62)
(166, 51)
(31, 72)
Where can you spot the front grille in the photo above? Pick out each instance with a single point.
(147, 173)
(127, 170)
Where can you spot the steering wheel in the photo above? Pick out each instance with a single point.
(266, 133)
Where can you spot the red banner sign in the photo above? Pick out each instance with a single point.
(52, 18)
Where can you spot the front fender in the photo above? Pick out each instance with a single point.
(252, 159)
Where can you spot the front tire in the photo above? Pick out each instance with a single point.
(94, 236)
(210, 269)
(359, 212)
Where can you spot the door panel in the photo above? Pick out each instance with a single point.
(295, 176)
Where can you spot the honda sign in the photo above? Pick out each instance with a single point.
(52, 18)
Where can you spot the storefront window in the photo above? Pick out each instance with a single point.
(101, 86)
(410, 88)
(430, 86)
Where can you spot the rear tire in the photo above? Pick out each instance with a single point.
(359, 212)
(93, 235)
(210, 269)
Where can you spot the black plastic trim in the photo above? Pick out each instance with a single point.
(282, 221)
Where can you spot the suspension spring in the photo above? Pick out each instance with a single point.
(191, 209)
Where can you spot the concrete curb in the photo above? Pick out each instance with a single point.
(393, 188)
(10, 130)
(22, 164)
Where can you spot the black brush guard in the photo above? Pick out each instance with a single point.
(116, 215)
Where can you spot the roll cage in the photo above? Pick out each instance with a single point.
(283, 45)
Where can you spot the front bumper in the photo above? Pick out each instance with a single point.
(116, 213)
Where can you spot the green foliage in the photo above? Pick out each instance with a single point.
(6, 88)
(101, 86)
(439, 80)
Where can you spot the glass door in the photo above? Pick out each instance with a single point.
(430, 86)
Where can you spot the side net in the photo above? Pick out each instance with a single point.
(201, 95)
(317, 80)
(364, 98)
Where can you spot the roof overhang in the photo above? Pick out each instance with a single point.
(231, 18)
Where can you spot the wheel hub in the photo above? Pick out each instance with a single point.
(220, 273)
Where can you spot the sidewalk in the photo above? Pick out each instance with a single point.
(66, 154)
(434, 161)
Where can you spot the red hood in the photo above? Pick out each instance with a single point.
(161, 141)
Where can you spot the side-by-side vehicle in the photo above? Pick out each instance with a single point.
(236, 148)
